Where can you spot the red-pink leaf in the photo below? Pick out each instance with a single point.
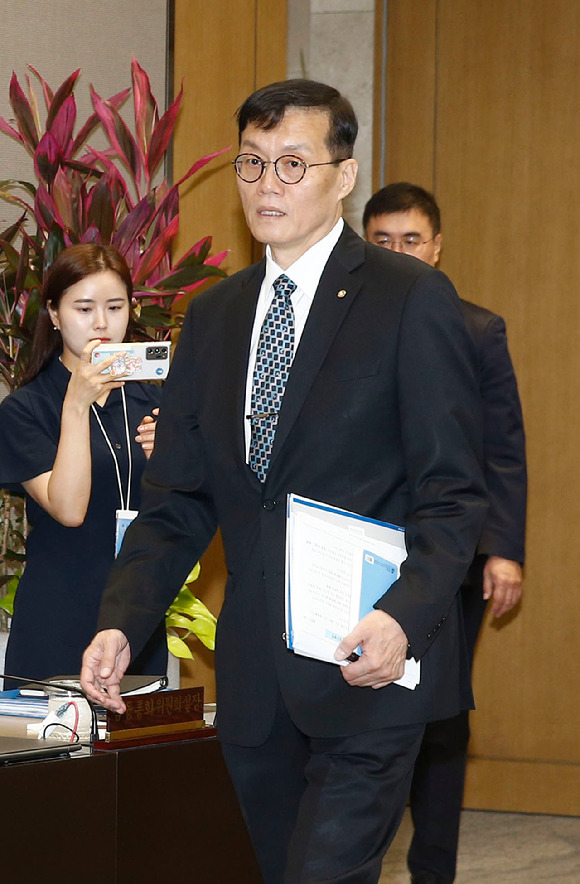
(168, 207)
(63, 195)
(63, 124)
(118, 188)
(134, 225)
(92, 234)
(47, 91)
(45, 210)
(195, 250)
(156, 252)
(93, 121)
(119, 97)
(118, 134)
(212, 261)
(161, 136)
(161, 192)
(101, 208)
(23, 113)
(216, 260)
(22, 266)
(33, 105)
(69, 238)
(146, 111)
(60, 96)
(47, 158)
(92, 156)
(201, 163)
(8, 130)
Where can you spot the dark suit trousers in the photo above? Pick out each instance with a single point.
(323, 809)
(439, 776)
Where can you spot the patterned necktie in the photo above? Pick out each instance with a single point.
(273, 360)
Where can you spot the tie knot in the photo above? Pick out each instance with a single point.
(284, 286)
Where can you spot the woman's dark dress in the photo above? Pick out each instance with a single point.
(57, 601)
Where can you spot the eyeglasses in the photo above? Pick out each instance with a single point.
(409, 242)
(289, 169)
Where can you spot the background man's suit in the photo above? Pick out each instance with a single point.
(437, 789)
(381, 416)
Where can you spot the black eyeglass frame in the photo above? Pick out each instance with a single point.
(263, 163)
(401, 242)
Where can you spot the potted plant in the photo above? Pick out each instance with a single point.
(81, 194)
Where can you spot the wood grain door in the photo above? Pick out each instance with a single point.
(483, 108)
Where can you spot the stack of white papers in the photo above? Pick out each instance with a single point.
(15, 703)
(338, 564)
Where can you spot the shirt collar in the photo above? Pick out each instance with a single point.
(307, 270)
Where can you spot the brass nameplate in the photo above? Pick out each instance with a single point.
(154, 731)
(163, 712)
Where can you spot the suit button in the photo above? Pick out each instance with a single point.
(269, 504)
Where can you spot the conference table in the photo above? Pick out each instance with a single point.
(155, 813)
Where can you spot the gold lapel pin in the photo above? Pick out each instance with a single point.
(341, 294)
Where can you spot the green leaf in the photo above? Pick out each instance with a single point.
(12, 256)
(15, 182)
(153, 316)
(178, 648)
(11, 556)
(188, 275)
(196, 254)
(7, 601)
(205, 633)
(194, 573)
(178, 621)
(11, 232)
(54, 245)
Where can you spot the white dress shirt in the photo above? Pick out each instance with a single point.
(305, 273)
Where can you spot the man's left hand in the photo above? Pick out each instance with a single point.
(384, 650)
(502, 583)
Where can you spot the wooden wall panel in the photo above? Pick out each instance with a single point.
(223, 52)
(215, 61)
(410, 91)
(505, 143)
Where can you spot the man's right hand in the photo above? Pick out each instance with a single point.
(104, 664)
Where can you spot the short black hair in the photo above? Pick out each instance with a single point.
(266, 108)
(402, 197)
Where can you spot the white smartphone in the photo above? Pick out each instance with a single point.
(141, 361)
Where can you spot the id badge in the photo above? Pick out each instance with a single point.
(123, 519)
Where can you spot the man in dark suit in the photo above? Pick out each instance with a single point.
(406, 218)
(380, 416)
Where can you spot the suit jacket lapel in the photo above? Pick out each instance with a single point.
(239, 335)
(334, 297)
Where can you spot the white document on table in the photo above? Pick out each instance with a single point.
(338, 564)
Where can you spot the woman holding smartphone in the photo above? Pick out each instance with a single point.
(75, 440)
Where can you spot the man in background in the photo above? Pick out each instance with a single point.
(406, 218)
(341, 373)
